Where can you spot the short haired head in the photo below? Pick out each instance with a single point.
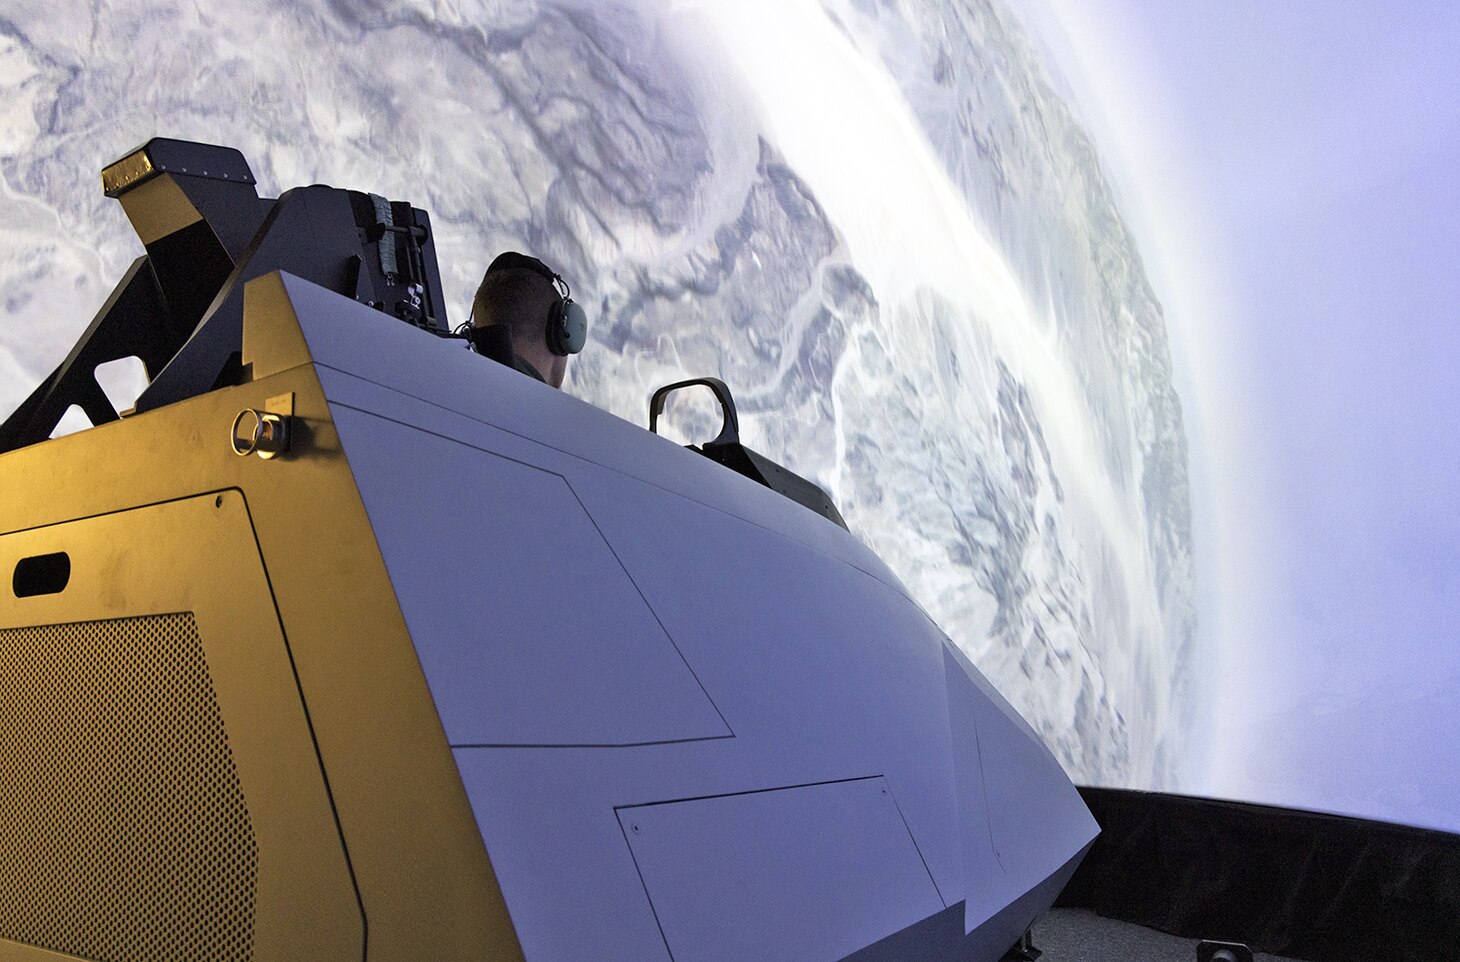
(521, 294)
(512, 290)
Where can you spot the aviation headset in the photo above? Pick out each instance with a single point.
(567, 322)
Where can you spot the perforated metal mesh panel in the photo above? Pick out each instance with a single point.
(124, 834)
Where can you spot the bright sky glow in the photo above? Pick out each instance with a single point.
(1289, 168)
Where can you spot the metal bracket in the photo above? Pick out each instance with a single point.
(269, 435)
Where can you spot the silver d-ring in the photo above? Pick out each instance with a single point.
(258, 433)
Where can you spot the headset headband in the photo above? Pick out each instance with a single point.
(507, 260)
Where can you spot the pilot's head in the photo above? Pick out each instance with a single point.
(531, 302)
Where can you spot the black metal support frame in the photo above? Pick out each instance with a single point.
(179, 308)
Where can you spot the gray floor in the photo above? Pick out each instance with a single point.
(1078, 935)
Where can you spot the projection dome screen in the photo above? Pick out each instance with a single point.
(884, 224)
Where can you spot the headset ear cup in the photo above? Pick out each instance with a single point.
(567, 328)
(575, 327)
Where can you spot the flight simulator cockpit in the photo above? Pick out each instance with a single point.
(345, 629)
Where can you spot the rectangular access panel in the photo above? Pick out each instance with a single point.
(160, 793)
(805, 874)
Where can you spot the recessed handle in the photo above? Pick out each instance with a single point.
(42, 574)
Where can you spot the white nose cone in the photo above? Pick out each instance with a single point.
(1023, 826)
